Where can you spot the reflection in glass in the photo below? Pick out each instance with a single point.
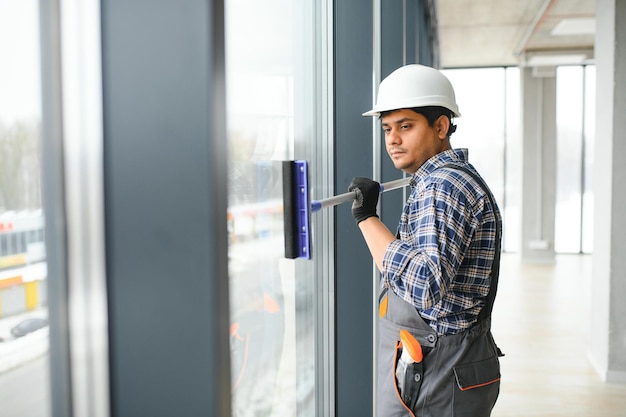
(260, 115)
(24, 383)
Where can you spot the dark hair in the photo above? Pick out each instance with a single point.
(431, 113)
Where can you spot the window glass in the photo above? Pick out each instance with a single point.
(511, 233)
(496, 152)
(588, 155)
(569, 126)
(480, 94)
(264, 72)
(24, 380)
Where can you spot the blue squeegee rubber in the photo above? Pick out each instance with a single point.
(296, 212)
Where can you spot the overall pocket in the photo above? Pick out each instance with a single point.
(408, 370)
(477, 387)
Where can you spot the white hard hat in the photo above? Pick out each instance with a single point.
(414, 86)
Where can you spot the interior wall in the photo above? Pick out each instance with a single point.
(539, 166)
(608, 344)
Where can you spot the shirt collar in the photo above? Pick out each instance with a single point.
(459, 155)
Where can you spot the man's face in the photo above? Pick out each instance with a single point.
(410, 141)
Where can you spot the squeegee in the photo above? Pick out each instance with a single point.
(297, 206)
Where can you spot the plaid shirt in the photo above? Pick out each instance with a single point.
(442, 260)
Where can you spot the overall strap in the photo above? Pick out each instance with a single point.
(485, 313)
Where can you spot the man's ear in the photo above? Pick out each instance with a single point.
(442, 125)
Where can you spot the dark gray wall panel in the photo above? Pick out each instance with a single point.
(393, 23)
(165, 193)
(353, 151)
(354, 25)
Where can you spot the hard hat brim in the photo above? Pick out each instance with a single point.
(372, 112)
(376, 112)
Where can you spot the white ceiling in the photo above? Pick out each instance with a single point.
(478, 33)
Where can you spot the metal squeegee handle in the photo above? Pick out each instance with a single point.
(317, 205)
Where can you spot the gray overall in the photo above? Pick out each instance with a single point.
(459, 374)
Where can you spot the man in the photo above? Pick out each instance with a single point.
(439, 272)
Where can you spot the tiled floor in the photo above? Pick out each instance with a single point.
(541, 323)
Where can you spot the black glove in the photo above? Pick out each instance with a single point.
(367, 191)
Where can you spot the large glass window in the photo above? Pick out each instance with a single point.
(488, 100)
(480, 107)
(569, 117)
(589, 131)
(24, 382)
(490, 128)
(268, 56)
(512, 162)
(575, 126)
